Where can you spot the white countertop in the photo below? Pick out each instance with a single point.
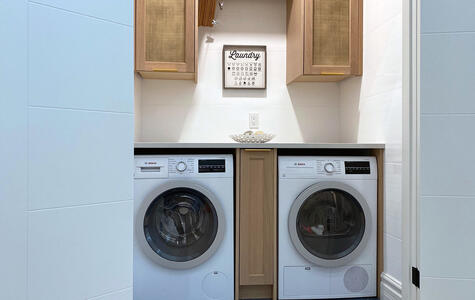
(266, 145)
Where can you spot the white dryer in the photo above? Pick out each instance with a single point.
(184, 235)
(327, 227)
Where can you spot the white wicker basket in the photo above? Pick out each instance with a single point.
(252, 138)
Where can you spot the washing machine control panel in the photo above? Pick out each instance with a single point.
(181, 166)
(357, 167)
(211, 166)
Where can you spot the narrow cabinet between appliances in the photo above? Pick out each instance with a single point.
(165, 38)
(256, 217)
(324, 39)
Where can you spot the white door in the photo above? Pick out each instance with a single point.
(446, 190)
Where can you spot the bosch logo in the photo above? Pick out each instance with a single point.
(299, 164)
(150, 163)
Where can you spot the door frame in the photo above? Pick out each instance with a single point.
(411, 146)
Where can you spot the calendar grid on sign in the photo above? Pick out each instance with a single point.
(244, 67)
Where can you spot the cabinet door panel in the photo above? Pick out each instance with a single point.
(332, 37)
(257, 211)
(165, 30)
(331, 32)
(165, 35)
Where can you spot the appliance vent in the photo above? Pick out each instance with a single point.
(356, 279)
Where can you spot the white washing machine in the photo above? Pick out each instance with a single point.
(327, 227)
(184, 235)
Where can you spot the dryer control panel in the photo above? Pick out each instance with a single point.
(329, 167)
(355, 167)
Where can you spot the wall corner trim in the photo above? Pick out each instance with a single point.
(391, 288)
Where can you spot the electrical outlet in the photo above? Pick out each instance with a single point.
(254, 120)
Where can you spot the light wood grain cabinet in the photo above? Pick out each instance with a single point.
(165, 38)
(257, 223)
(324, 39)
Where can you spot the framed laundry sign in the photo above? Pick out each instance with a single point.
(244, 67)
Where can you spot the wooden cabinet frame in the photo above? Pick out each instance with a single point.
(256, 212)
(164, 69)
(300, 65)
(255, 287)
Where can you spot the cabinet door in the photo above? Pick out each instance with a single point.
(257, 213)
(165, 35)
(333, 30)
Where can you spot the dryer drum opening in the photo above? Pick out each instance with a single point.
(330, 223)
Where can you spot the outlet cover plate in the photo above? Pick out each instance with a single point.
(253, 120)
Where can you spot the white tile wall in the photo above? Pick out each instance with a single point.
(204, 112)
(13, 141)
(80, 150)
(137, 107)
(392, 256)
(371, 111)
(79, 157)
(381, 120)
(79, 62)
(393, 198)
(80, 252)
(350, 93)
(447, 195)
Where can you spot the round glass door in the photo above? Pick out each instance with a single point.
(181, 227)
(329, 223)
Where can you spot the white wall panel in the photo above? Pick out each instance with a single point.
(447, 158)
(450, 67)
(447, 16)
(79, 62)
(80, 252)
(447, 244)
(120, 11)
(447, 192)
(125, 294)
(13, 141)
(80, 152)
(447, 288)
(79, 157)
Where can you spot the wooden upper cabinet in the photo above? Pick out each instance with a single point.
(165, 38)
(324, 39)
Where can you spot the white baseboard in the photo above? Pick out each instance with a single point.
(390, 288)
